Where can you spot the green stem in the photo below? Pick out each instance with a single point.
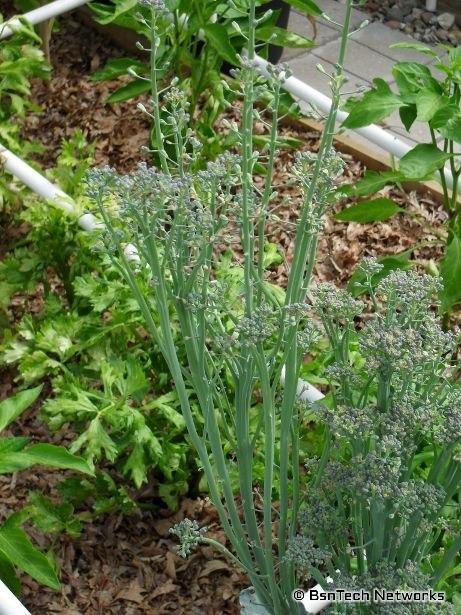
(154, 93)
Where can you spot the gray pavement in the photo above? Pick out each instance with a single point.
(368, 56)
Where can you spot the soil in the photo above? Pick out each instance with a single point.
(126, 565)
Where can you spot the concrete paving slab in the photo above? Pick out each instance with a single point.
(368, 57)
(360, 60)
(379, 37)
(301, 25)
(304, 68)
(336, 11)
(419, 132)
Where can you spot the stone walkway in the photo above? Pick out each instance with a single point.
(368, 57)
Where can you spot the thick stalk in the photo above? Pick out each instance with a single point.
(267, 191)
(154, 93)
(247, 165)
(286, 415)
(269, 450)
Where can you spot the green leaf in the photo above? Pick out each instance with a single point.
(43, 454)
(57, 457)
(8, 575)
(447, 121)
(136, 466)
(307, 6)
(283, 38)
(117, 67)
(371, 183)
(97, 441)
(408, 116)
(128, 91)
(282, 141)
(11, 408)
(427, 104)
(136, 381)
(272, 255)
(218, 38)
(17, 548)
(416, 46)
(369, 211)
(276, 293)
(412, 77)
(12, 445)
(51, 518)
(451, 274)
(14, 462)
(120, 7)
(422, 161)
(377, 104)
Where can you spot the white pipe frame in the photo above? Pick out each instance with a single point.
(373, 133)
(41, 14)
(44, 188)
(9, 604)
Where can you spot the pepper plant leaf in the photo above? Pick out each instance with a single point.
(447, 121)
(451, 274)
(408, 115)
(377, 104)
(371, 182)
(369, 211)
(128, 91)
(16, 547)
(422, 161)
(307, 6)
(8, 575)
(411, 78)
(218, 37)
(116, 67)
(357, 283)
(428, 103)
(416, 46)
(43, 454)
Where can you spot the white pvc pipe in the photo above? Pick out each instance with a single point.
(431, 5)
(47, 190)
(304, 391)
(9, 604)
(40, 14)
(33, 179)
(372, 133)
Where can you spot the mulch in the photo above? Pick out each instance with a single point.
(126, 565)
